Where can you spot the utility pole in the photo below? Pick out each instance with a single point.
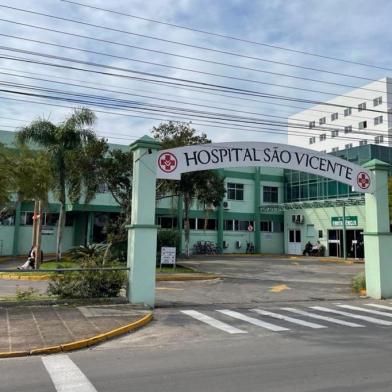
(38, 236)
(34, 235)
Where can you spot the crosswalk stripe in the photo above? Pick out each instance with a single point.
(65, 375)
(253, 321)
(356, 316)
(212, 322)
(325, 318)
(289, 319)
(366, 310)
(380, 306)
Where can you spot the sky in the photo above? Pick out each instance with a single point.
(355, 30)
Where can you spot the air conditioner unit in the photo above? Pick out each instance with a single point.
(226, 205)
(238, 244)
(225, 244)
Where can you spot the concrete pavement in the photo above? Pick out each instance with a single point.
(28, 328)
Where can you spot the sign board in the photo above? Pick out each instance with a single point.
(337, 221)
(168, 255)
(173, 162)
(250, 228)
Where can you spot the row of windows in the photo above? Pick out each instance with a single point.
(348, 129)
(347, 112)
(236, 192)
(377, 140)
(167, 222)
(48, 219)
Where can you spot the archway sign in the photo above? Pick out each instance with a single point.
(149, 164)
(172, 163)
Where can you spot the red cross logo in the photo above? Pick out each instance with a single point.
(167, 162)
(363, 180)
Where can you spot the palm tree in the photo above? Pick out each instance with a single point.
(62, 142)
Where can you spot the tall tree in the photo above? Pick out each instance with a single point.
(61, 142)
(206, 187)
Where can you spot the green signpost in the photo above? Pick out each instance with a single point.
(337, 221)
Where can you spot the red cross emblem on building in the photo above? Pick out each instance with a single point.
(363, 180)
(167, 162)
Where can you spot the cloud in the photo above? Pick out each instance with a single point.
(356, 31)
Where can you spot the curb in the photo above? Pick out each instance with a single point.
(159, 277)
(76, 345)
(185, 277)
(37, 277)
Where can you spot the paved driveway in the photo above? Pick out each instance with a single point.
(252, 279)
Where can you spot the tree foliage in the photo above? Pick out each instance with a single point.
(66, 145)
(204, 187)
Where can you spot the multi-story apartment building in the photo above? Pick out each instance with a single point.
(357, 118)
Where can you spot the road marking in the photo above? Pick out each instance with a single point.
(380, 306)
(65, 375)
(279, 288)
(253, 321)
(357, 316)
(289, 319)
(325, 318)
(213, 322)
(366, 310)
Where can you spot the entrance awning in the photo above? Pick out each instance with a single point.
(355, 201)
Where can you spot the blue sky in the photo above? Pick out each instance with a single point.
(354, 30)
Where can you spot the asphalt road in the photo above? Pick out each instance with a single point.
(290, 343)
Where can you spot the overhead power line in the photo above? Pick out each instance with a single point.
(186, 57)
(209, 73)
(230, 109)
(167, 79)
(230, 37)
(174, 42)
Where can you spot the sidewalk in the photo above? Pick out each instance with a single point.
(63, 327)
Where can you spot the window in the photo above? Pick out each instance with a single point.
(320, 234)
(206, 224)
(322, 120)
(7, 219)
(377, 120)
(266, 226)
(323, 136)
(312, 124)
(362, 125)
(362, 106)
(379, 139)
(228, 225)
(349, 145)
(242, 225)
(167, 222)
(377, 101)
(348, 129)
(334, 116)
(312, 140)
(335, 149)
(51, 219)
(363, 142)
(270, 194)
(347, 112)
(26, 218)
(277, 227)
(334, 133)
(103, 188)
(235, 191)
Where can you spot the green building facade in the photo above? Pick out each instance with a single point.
(277, 211)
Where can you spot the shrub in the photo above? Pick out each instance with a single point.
(167, 238)
(88, 283)
(85, 251)
(358, 283)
